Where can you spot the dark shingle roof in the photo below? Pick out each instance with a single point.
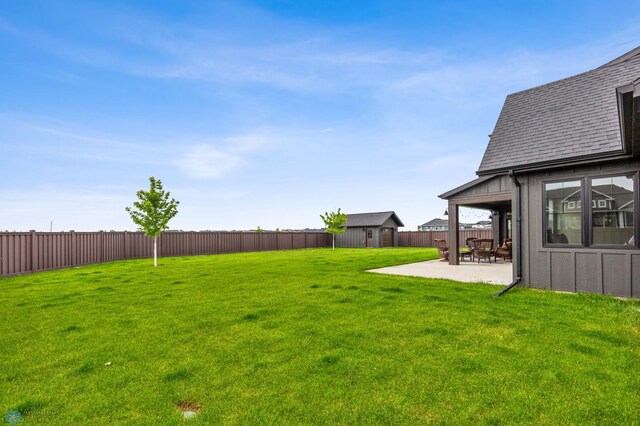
(569, 118)
(371, 219)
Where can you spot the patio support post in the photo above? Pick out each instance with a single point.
(496, 221)
(454, 233)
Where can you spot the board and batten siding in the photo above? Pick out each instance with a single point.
(612, 271)
(496, 185)
(356, 236)
(377, 237)
(352, 237)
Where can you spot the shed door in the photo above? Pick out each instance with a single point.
(369, 237)
(387, 237)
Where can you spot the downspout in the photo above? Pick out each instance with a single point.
(518, 230)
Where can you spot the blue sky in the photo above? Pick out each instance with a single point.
(269, 113)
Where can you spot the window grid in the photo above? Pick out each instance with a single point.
(609, 221)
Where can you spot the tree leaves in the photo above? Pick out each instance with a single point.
(334, 221)
(154, 209)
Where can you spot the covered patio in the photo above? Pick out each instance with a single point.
(491, 193)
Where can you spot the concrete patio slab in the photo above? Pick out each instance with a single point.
(499, 273)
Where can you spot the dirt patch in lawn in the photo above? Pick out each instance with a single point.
(185, 406)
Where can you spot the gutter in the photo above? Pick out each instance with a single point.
(518, 210)
(618, 155)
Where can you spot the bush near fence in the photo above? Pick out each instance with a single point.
(426, 238)
(24, 252)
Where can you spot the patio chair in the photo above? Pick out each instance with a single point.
(504, 251)
(469, 252)
(443, 250)
(483, 249)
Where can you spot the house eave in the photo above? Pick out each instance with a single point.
(618, 155)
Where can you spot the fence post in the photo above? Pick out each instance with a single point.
(34, 251)
(74, 247)
(100, 246)
(292, 247)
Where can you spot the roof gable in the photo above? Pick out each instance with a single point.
(567, 120)
(483, 185)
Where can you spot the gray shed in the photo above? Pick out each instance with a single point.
(370, 230)
(561, 175)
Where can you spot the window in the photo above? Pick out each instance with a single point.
(612, 222)
(564, 222)
(608, 217)
(369, 233)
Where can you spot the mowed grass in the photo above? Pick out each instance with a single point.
(308, 336)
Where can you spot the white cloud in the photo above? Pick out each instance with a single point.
(48, 137)
(505, 72)
(204, 161)
(249, 142)
(218, 158)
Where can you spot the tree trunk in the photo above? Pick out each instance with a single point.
(333, 241)
(155, 251)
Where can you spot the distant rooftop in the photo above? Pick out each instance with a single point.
(436, 222)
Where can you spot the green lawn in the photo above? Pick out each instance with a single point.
(307, 336)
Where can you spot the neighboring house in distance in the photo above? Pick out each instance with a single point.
(564, 158)
(443, 225)
(370, 230)
(482, 224)
(434, 225)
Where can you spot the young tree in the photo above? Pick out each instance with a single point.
(334, 221)
(153, 211)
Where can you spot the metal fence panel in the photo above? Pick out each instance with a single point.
(24, 252)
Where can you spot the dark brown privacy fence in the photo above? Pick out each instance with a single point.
(22, 252)
(426, 238)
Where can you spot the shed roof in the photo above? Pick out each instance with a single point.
(569, 119)
(371, 219)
